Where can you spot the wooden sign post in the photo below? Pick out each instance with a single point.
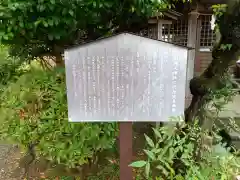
(126, 158)
(125, 76)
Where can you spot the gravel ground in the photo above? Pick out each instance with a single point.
(12, 163)
(9, 158)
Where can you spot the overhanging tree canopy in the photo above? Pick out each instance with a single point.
(37, 27)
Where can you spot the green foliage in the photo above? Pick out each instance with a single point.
(66, 178)
(219, 9)
(138, 164)
(110, 171)
(226, 93)
(36, 27)
(34, 110)
(9, 67)
(175, 155)
(226, 46)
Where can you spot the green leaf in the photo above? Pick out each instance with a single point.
(57, 36)
(50, 22)
(171, 154)
(52, 2)
(45, 24)
(199, 175)
(150, 154)
(42, 8)
(36, 23)
(138, 164)
(169, 168)
(133, 9)
(157, 133)
(149, 141)
(229, 46)
(179, 177)
(164, 171)
(156, 151)
(21, 24)
(56, 20)
(71, 12)
(147, 170)
(64, 12)
(164, 151)
(5, 37)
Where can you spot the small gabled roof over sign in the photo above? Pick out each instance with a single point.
(128, 33)
(174, 15)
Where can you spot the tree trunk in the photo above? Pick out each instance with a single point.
(57, 53)
(59, 60)
(222, 59)
(209, 81)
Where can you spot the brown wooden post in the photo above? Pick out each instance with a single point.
(125, 138)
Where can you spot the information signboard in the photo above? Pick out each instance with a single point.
(125, 77)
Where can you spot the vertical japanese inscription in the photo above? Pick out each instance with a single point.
(137, 81)
(174, 84)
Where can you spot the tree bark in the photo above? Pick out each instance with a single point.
(59, 60)
(222, 59)
(57, 52)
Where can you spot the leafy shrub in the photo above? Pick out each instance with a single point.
(9, 67)
(34, 110)
(174, 154)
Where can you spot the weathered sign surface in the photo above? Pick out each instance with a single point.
(125, 77)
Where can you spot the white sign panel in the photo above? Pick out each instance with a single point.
(125, 77)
